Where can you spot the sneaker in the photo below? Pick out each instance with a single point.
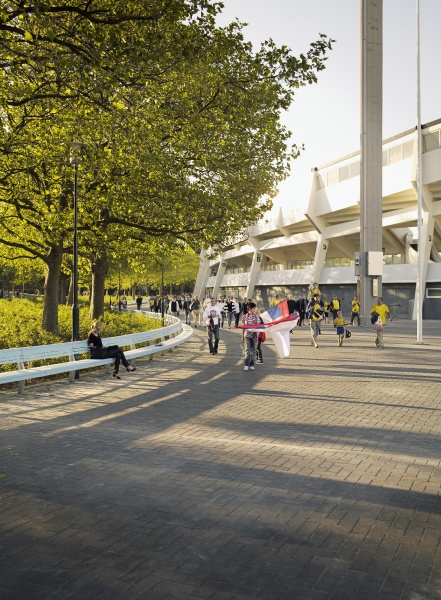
(259, 362)
(251, 368)
(245, 368)
(315, 345)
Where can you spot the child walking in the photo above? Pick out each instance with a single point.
(339, 323)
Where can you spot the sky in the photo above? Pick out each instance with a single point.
(325, 117)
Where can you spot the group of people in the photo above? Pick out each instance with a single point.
(318, 311)
(214, 316)
(312, 311)
(213, 313)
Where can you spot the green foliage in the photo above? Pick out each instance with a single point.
(182, 121)
(22, 324)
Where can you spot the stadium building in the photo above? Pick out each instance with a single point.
(284, 253)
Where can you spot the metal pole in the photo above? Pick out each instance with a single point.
(75, 305)
(119, 287)
(420, 271)
(162, 289)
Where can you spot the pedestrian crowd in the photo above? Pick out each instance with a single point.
(214, 314)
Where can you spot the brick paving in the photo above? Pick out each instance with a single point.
(313, 477)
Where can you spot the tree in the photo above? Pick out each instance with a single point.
(181, 118)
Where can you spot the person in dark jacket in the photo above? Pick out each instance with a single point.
(96, 350)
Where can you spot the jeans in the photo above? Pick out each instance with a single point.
(119, 356)
(315, 328)
(355, 317)
(229, 318)
(213, 338)
(259, 350)
(187, 317)
(250, 358)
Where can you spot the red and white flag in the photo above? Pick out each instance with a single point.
(278, 323)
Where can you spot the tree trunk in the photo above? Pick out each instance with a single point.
(99, 268)
(62, 288)
(51, 289)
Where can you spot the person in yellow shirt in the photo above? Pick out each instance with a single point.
(335, 306)
(314, 291)
(382, 311)
(275, 301)
(327, 308)
(355, 314)
(339, 323)
(316, 312)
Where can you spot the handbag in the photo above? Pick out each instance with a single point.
(98, 352)
(101, 352)
(262, 336)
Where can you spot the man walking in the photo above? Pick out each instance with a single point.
(212, 317)
(195, 308)
(335, 306)
(186, 305)
(355, 311)
(316, 315)
(250, 336)
(382, 310)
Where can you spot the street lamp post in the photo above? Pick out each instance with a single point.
(119, 287)
(75, 161)
(162, 289)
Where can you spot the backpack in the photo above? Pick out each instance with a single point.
(374, 317)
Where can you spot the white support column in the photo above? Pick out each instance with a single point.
(371, 194)
(320, 255)
(255, 268)
(202, 277)
(218, 279)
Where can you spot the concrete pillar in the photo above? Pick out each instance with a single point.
(371, 192)
(202, 276)
(320, 255)
(254, 269)
(218, 279)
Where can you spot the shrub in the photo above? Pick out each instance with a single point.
(22, 324)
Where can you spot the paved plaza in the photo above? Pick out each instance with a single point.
(312, 477)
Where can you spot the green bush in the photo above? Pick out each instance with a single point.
(22, 324)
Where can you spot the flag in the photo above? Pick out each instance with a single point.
(278, 322)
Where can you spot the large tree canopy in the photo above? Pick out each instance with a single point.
(181, 121)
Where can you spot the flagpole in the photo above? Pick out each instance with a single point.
(420, 270)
